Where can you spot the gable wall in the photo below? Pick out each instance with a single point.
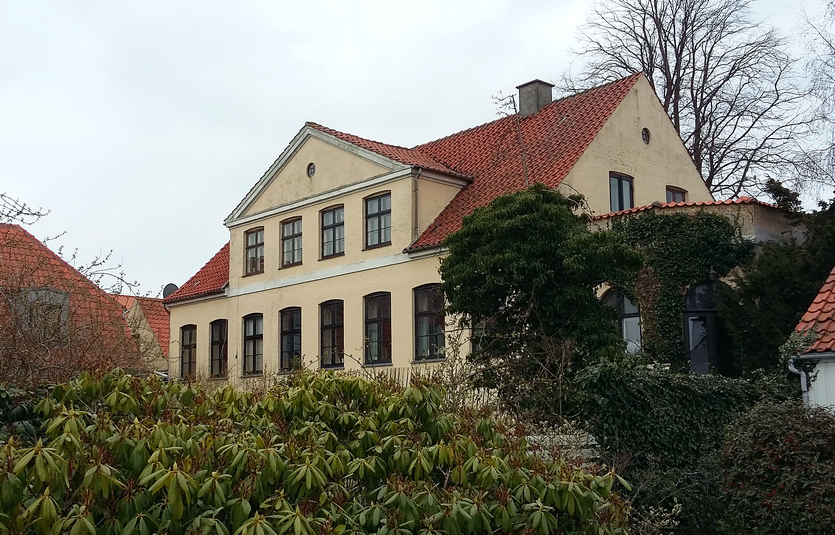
(619, 148)
(335, 167)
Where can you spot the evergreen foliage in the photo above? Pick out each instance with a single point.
(666, 430)
(323, 454)
(779, 461)
(526, 267)
(766, 299)
(679, 251)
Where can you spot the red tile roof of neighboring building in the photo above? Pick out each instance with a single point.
(637, 209)
(25, 258)
(554, 138)
(209, 280)
(155, 313)
(398, 154)
(821, 316)
(157, 317)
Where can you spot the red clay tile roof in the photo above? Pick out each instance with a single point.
(157, 316)
(489, 155)
(821, 315)
(740, 200)
(155, 313)
(25, 262)
(554, 139)
(398, 154)
(24, 257)
(209, 280)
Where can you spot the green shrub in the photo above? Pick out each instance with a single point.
(779, 466)
(324, 454)
(664, 430)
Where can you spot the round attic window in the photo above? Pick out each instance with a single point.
(645, 135)
(311, 169)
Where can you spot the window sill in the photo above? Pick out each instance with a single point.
(253, 374)
(286, 266)
(428, 360)
(376, 364)
(254, 273)
(379, 245)
(219, 378)
(332, 366)
(337, 255)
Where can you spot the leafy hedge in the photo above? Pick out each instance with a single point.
(667, 428)
(779, 461)
(324, 454)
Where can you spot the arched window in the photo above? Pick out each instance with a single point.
(219, 348)
(291, 338)
(629, 319)
(429, 322)
(188, 351)
(378, 328)
(253, 344)
(332, 334)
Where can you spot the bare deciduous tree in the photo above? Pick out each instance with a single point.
(726, 83)
(54, 322)
(820, 69)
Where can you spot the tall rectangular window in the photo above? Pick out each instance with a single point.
(291, 337)
(254, 251)
(378, 328)
(332, 334)
(219, 348)
(188, 351)
(253, 344)
(620, 192)
(378, 221)
(333, 232)
(291, 243)
(429, 322)
(676, 195)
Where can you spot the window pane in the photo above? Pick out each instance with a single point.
(372, 206)
(327, 218)
(385, 232)
(339, 246)
(372, 308)
(614, 198)
(340, 215)
(385, 203)
(698, 344)
(632, 334)
(626, 185)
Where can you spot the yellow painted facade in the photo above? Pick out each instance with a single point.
(346, 175)
(619, 148)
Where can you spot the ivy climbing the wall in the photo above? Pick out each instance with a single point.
(679, 251)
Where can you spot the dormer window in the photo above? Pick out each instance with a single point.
(254, 251)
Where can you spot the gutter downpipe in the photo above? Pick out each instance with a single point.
(804, 383)
(415, 218)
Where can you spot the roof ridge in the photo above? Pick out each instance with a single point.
(510, 116)
(328, 130)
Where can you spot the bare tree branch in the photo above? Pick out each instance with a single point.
(728, 85)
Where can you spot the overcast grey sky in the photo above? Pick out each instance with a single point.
(142, 124)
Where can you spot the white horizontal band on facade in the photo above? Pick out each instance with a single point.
(347, 269)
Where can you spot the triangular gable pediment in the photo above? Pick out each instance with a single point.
(339, 164)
